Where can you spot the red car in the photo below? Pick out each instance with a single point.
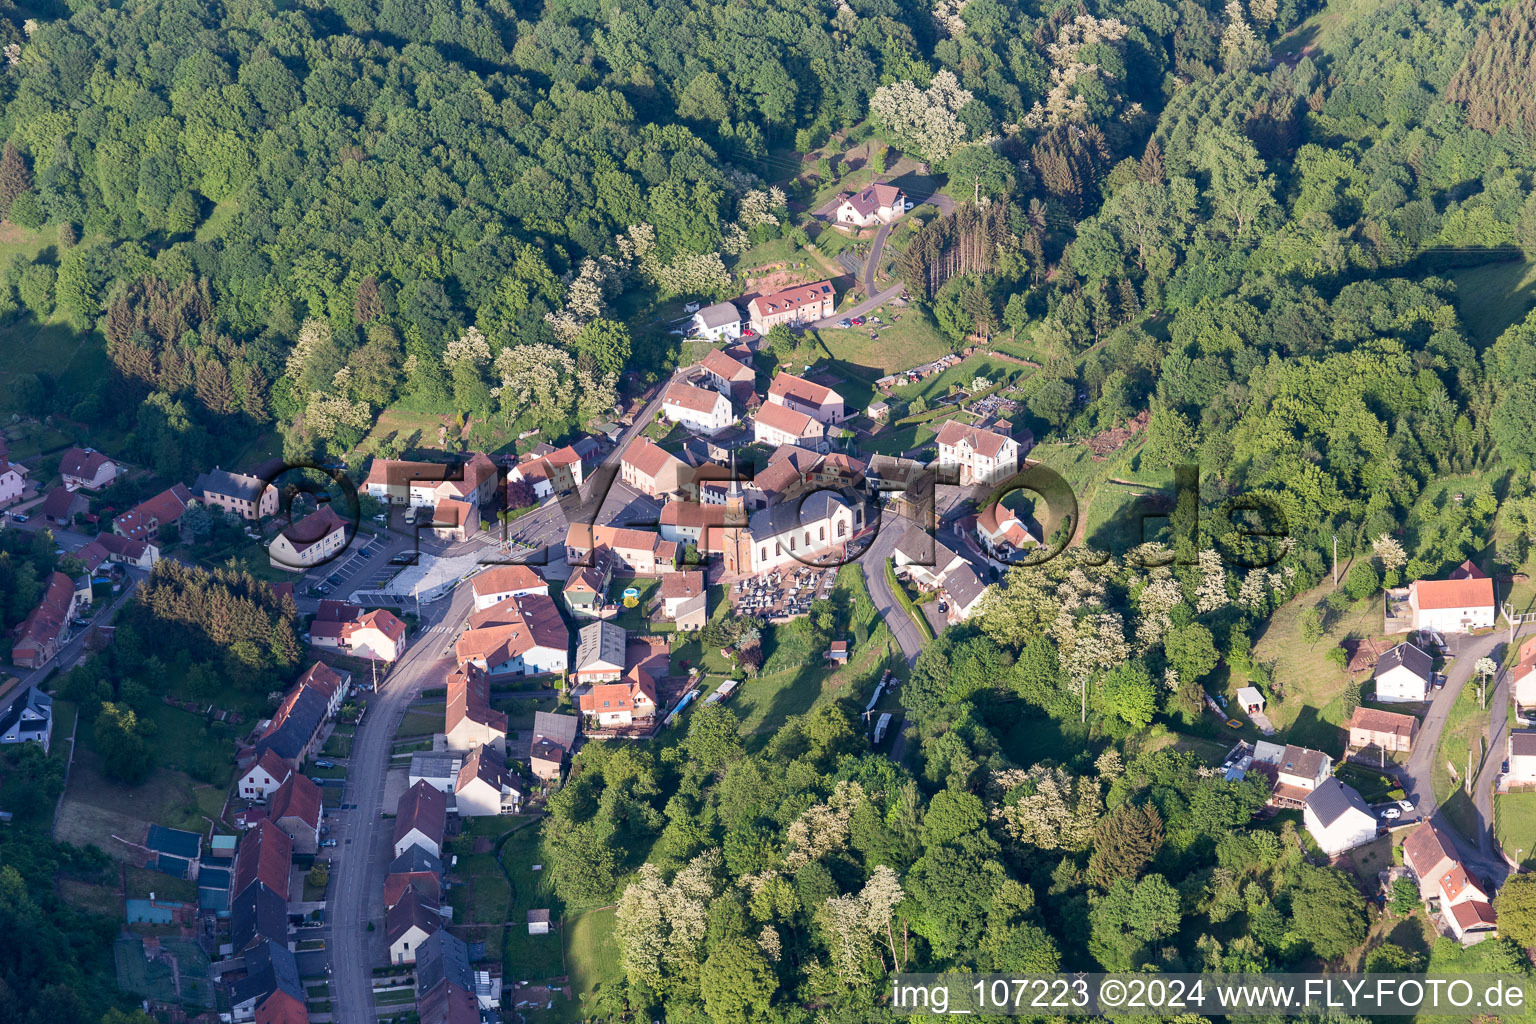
(858, 321)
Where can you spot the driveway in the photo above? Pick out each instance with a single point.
(945, 206)
(361, 862)
(872, 561)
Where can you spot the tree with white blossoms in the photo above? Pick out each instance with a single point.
(754, 209)
(313, 334)
(1485, 668)
(925, 120)
(822, 828)
(1055, 810)
(1155, 605)
(1062, 103)
(1391, 555)
(856, 922)
(540, 379)
(690, 273)
(946, 14)
(769, 942)
(596, 394)
(1211, 593)
(470, 346)
(660, 927)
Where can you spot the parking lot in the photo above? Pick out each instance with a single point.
(364, 566)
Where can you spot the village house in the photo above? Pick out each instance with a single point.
(454, 520)
(311, 541)
(497, 583)
(297, 727)
(270, 991)
(415, 867)
(423, 484)
(1452, 606)
(1445, 885)
(698, 409)
(438, 769)
(247, 497)
(1002, 533)
(141, 554)
(484, 786)
(652, 470)
(1297, 771)
(599, 653)
(719, 322)
(1403, 674)
(549, 474)
(641, 552)
(553, 740)
(60, 506)
(445, 982)
(815, 400)
(1384, 730)
(264, 775)
(88, 469)
(377, 635)
(1521, 751)
(520, 636)
(921, 558)
(420, 818)
(259, 910)
(808, 532)
(800, 304)
(1523, 676)
(964, 589)
(42, 633)
(409, 923)
(295, 808)
(877, 204)
(692, 522)
(470, 720)
(146, 519)
(731, 377)
(775, 424)
(1337, 817)
(26, 715)
(975, 455)
(13, 478)
(879, 410)
(586, 589)
(684, 599)
(620, 704)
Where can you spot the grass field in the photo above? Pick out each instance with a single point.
(420, 721)
(1308, 688)
(906, 340)
(1464, 732)
(96, 807)
(481, 899)
(1514, 823)
(591, 956)
(529, 957)
(1491, 297)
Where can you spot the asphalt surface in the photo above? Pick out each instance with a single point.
(945, 206)
(873, 561)
(361, 862)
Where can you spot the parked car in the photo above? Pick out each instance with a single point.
(382, 517)
(20, 517)
(365, 552)
(908, 205)
(327, 842)
(334, 579)
(325, 764)
(404, 558)
(845, 322)
(858, 321)
(1392, 813)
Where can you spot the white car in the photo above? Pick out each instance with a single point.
(908, 205)
(1392, 812)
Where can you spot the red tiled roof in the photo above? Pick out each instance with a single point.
(469, 697)
(686, 396)
(1425, 851)
(504, 579)
(682, 584)
(148, 516)
(1467, 593)
(691, 515)
(512, 627)
(783, 418)
(1468, 570)
(381, 619)
(265, 855)
(621, 696)
(81, 463)
(422, 808)
(1378, 721)
(281, 1008)
(875, 197)
(648, 458)
(297, 797)
(269, 762)
(787, 385)
(790, 298)
(60, 503)
(425, 882)
(46, 622)
(447, 1003)
(984, 441)
(1473, 913)
(726, 368)
(122, 547)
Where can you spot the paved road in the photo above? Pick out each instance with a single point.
(357, 898)
(945, 206)
(873, 562)
(1418, 776)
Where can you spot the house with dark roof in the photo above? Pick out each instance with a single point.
(1521, 751)
(484, 786)
(257, 914)
(415, 867)
(87, 468)
(265, 856)
(26, 715)
(1296, 771)
(174, 851)
(1403, 674)
(409, 923)
(420, 819)
(719, 322)
(1448, 889)
(448, 1004)
(141, 553)
(443, 958)
(269, 990)
(310, 541)
(964, 589)
(1337, 817)
(248, 497)
(553, 739)
(62, 505)
(599, 653)
(297, 727)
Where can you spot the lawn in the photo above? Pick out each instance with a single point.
(962, 373)
(906, 340)
(1495, 295)
(901, 439)
(591, 956)
(1306, 699)
(96, 807)
(481, 897)
(420, 721)
(1514, 824)
(529, 957)
(1465, 729)
(635, 619)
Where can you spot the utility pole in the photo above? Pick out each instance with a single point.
(1335, 561)
(1466, 781)
(976, 196)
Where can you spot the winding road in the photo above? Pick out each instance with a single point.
(945, 206)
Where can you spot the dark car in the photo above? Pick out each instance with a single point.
(845, 322)
(404, 558)
(365, 552)
(334, 579)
